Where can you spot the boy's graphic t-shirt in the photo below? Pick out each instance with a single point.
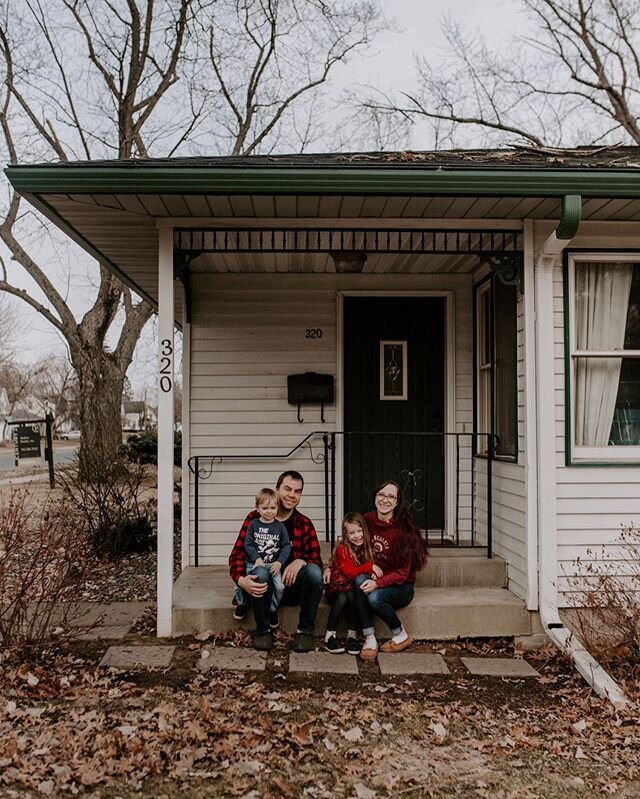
(267, 540)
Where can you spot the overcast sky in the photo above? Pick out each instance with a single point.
(389, 65)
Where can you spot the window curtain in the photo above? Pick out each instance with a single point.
(602, 299)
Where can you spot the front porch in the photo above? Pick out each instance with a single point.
(460, 594)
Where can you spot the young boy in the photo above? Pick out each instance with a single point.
(266, 544)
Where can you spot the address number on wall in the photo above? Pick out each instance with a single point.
(166, 364)
(313, 332)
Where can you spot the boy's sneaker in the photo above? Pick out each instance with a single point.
(353, 646)
(262, 641)
(274, 619)
(239, 612)
(334, 645)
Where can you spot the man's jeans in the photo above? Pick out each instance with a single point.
(306, 592)
(383, 602)
(277, 588)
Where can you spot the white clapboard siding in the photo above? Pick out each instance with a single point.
(247, 335)
(593, 502)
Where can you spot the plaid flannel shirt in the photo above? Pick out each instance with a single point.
(304, 544)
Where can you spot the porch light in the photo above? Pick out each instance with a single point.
(348, 262)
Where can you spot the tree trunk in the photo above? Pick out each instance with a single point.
(101, 383)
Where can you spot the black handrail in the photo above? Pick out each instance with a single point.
(328, 458)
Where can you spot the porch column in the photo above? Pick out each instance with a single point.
(166, 351)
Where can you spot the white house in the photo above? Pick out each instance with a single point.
(470, 320)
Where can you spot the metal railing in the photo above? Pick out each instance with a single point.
(418, 461)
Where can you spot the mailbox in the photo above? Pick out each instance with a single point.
(310, 387)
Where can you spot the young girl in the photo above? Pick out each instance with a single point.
(352, 556)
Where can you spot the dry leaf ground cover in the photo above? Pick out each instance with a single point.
(69, 728)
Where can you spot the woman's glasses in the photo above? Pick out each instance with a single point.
(386, 497)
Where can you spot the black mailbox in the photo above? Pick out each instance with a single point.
(310, 387)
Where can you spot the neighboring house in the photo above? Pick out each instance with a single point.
(473, 317)
(134, 416)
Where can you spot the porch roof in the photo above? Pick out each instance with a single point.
(113, 208)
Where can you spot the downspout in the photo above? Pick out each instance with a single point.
(563, 638)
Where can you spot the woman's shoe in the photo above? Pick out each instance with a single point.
(367, 653)
(392, 646)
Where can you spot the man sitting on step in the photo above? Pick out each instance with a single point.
(302, 575)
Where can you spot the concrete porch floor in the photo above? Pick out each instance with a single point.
(461, 594)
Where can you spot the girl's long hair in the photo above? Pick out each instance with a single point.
(363, 554)
(411, 545)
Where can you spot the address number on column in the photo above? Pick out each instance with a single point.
(166, 364)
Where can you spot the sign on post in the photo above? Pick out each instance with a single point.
(27, 441)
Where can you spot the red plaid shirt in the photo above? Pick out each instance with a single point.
(304, 543)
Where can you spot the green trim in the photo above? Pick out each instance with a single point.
(150, 178)
(571, 216)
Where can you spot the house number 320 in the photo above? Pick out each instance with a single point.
(166, 356)
(313, 332)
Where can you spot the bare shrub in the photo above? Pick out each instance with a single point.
(43, 558)
(109, 499)
(606, 593)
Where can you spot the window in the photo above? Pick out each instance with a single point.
(393, 370)
(604, 348)
(496, 364)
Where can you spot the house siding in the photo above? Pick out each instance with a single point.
(247, 335)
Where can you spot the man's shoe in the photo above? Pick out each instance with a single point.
(353, 646)
(239, 612)
(274, 620)
(302, 642)
(263, 641)
(366, 653)
(391, 646)
(334, 645)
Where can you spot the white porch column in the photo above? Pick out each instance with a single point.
(166, 353)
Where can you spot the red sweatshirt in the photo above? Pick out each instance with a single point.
(344, 571)
(384, 539)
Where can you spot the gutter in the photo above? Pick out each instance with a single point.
(601, 682)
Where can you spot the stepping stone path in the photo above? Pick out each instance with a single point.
(132, 657)
(315, 662)
(499, 667)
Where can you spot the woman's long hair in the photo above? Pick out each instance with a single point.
(364, 553)
(411, 546)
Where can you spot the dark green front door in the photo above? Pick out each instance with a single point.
(394, 391)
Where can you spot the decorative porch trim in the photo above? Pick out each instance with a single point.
(507, 267)
(438, 241)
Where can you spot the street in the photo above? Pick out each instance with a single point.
(62, 451)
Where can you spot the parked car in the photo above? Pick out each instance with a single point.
(70, 435)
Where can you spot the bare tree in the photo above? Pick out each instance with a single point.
(265, 63)
(103, 102)
(576, 81)
(87, 79)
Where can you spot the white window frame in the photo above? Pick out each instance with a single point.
(405, 378)
(579, 454)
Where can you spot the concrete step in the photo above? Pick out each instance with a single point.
(449, 567)
(202, 601)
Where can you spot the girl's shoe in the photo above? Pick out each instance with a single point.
(334, 645)
(369, 653)
(391, 646)
(353, 646)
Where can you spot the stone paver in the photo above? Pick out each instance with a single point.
(412, 663)
(108, 632)
(322, 662)
(130, 657)
(233, 659)
(499, 667)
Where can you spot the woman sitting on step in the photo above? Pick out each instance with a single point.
(400, 551)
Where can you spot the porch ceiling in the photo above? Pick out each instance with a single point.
(122, 229)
